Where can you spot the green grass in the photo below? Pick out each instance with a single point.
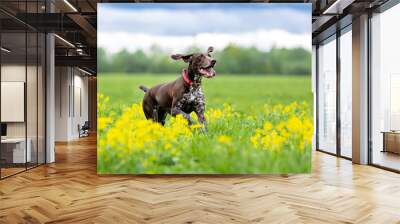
(243, 92)
(206, 153)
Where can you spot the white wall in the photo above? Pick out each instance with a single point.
(71, 87)
(13, 73)
(79, 103)
(62, 82)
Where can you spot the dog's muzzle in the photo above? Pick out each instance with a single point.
(208, 71)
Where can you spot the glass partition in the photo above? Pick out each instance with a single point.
(32, 95)
(33, 72)
(327, 96)
(14, 153)
(22, 77)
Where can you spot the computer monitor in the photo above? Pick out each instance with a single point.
(3, 129)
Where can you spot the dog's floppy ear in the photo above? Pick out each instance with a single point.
(210, 49)
(185, 58)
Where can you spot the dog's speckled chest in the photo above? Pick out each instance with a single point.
(192, 100)
(195, 94)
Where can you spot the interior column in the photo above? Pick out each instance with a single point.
(360, 90)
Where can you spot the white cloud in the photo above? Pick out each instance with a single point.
(189, 20)
(261, 39)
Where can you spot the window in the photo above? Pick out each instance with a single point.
(346, 93)
(385, 89)
(327, 96)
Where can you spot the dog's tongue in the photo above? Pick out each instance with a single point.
(208, 72)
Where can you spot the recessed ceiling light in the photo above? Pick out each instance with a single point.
(64, 40)
(337, 7)
(84, 71)
(70, 5)
(5, 50)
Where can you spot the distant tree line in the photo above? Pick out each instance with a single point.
(231, 60)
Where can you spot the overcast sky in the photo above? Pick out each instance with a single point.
(175, 27)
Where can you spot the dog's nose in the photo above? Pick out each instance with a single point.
(213, 62)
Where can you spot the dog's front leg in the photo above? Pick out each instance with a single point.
(177, 109)
(200, 108)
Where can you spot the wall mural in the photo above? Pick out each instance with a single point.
(204, 88)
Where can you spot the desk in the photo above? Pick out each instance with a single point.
(391, 141)
(15, 148)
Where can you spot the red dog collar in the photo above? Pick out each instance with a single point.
(185, 77)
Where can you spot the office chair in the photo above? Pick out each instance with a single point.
(84, 130)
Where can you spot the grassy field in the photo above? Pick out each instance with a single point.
(243, 92)
(256, 124)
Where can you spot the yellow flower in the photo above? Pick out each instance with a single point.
(168, 146)
(295, 124)
(276, 139)
(131, 131)
(267, 126)
(224, 113)
(224, 139)
(129, 134)
(196, 126)
(254, 140)
(103, 122)
(290, 127)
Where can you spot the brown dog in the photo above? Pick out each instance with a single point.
(184, 95)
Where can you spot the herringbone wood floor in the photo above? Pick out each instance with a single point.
(70, 191)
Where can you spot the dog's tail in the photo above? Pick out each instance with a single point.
(144, 88)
